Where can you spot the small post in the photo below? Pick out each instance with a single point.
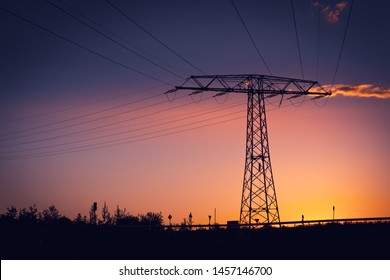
(303, 219)
(334, 209)
(190, 219)
(209, 222)
(94, 208)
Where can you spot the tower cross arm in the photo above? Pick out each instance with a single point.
(244, 83)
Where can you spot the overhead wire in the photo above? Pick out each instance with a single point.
(118, 36)
(72, 119)
(159, 119)
(83, 122)
(110, 143)
(112, 40)
(173, 98)
(322, 105)
(318, 40)
(250, 37)
(89, 103)
(222, 101)
(129, 131)
(81, 46)
(123, 143)
(95, 146)
(42, 114)
(297, 38)
(297, 105)
(153, 36)
(342, 44)
(87, 130)
(196, 101)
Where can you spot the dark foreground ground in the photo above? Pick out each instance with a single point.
(332, 241)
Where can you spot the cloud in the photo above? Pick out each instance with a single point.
(360, 90)
(331, 12)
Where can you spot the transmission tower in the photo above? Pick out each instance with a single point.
(258, 202)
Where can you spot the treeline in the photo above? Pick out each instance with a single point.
(51, 215)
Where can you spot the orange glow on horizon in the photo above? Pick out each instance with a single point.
(320, 159)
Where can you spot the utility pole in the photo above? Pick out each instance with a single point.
(258, 200)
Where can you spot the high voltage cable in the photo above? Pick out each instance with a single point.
(82, 105)
(124, 143)
(84, 122)
(73, 118)
(342, 45)
(83, 131)
(95, 146)
(117, 36)
(127, 142)
(318, 39)
(108, 143)
(81, 46)
(250, 37)
(161, 119)
(297, 38)
(111, 39)
(111, 124)
(126, 132)
(153, 36)
(98, 127)
(98, 145)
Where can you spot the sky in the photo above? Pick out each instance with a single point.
(83, 117)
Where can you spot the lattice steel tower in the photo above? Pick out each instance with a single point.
(258, 202)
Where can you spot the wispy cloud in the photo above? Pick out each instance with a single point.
(331, 12)
(360, 90)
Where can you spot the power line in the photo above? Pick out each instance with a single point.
(79, 106)
(318, 39)
(81, 46)
(129, 131)
(111, 39)
(117, 36)
(81, 123)
(88, 130)
(104, 100)
(250, 37)
(123, 143)
(159, 119)
(153, 36)
(297, 38)
(111, 143)
(74, 118)
(83, 131)
(342, 45)
(95, 146)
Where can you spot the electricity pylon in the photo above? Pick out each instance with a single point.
(258, 202)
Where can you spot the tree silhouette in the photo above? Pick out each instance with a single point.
(92, 215)
(119, 215)
(151, 219)
(80, 220)
(106, 216)
(30, 215)
(128, 220)
(11, 214)
(50, 215)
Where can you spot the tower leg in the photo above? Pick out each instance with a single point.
(258, 203)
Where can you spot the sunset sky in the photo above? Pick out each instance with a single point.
(84, 119)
